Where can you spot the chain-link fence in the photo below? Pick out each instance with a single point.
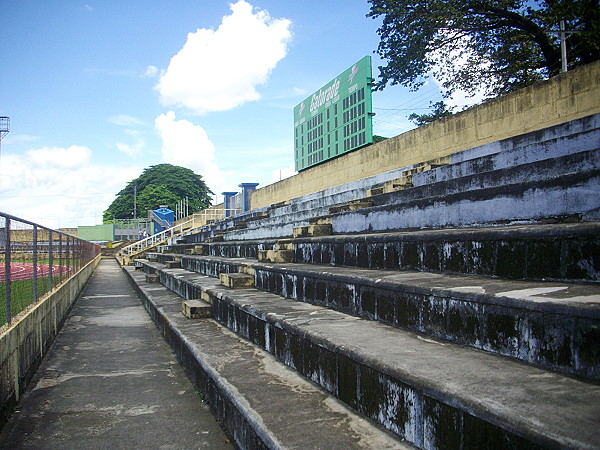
(34, 260)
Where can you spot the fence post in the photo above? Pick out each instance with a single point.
(7, 271)
(77, 254)
(67, 255)
(50, 259)
(60, 258)
(35, 264)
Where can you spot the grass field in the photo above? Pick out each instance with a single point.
(21, 295)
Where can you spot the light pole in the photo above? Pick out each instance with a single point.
(134, 202)
(4, 128)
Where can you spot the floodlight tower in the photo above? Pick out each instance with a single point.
(4, 128)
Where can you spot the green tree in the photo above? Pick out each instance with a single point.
(439, 111)
(489, 46)
(153, 196)
(162, 184)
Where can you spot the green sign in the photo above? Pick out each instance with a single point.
(336, 119)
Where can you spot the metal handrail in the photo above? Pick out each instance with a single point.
(155, 217)
(177, 230)
(154, 239)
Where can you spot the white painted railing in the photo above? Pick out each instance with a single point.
(197, 220)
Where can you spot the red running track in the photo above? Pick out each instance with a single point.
(24, 271)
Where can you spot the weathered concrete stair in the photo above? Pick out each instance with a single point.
(420, 334)
(566, 139)
(283, 252)
(196, 309)
(261, 402)
(536, 189)
(173, 264)
(217, 227)
(236, 280)
(550, 325)
(500, 196)
(429, 392)
(565, 251)
(495, 171)
(312, 230)
(406, 180)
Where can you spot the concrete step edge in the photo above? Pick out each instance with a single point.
(500, 316)
(372, 345)
(533, 230)
(299, 212)
(257, 421)
(540, 152)
(420, 197)
(528, 194)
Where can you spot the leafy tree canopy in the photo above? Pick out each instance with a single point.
(163, 184)
(492, 46)
(439, 111)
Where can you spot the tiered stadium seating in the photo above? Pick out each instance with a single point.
(449, 304)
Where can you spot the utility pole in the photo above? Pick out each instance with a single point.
(564, 35)
(134, 203)
(563, 46)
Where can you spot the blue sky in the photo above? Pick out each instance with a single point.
(96, 91)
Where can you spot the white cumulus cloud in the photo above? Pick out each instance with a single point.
(59, 186)
(188, 145)
(217, 70)
(57, 158)
(131, 150)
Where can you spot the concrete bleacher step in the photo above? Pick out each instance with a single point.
(573, 195)
(237, 280)
(406, 179)
(547, 145)
(312, 230)
(431, 393)
(564, 251)
(552, 146)
(196, 309)
(232, 249)
(505, 183)
(320, 220)
(403, 182)
(541, 170)
(218, 228)
(549, 325)
(537, 154)
(283, 252)
(261, 402)
(283, 217)
(575, 135)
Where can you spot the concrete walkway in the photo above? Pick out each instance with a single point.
(111, 381)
